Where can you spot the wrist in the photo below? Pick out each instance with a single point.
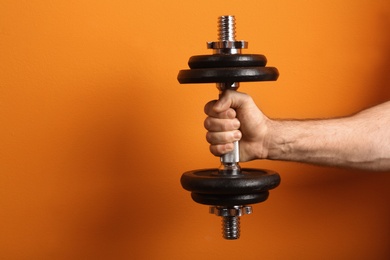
(267, 145)
(275, 144)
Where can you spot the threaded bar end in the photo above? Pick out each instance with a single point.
(226, 28)
(231, 227)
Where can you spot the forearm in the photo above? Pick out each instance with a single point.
(361, 141)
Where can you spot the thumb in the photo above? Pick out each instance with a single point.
(230, 99)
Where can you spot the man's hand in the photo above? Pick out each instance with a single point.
(235, 117)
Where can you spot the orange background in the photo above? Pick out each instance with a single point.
(96, 131)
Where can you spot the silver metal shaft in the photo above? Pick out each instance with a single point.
(227, 36)
(228, 45)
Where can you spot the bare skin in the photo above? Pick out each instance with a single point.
(360, 141)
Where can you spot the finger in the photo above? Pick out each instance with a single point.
(209, 110)
(221, 149)
(221, 125)
(223, 137)
(231, 99)
(227, 114)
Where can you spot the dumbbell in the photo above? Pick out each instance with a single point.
(229, 190)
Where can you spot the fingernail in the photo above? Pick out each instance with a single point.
(237, 135)
(231, 114)
(236, 124)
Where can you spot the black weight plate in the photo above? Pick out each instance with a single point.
(229, 200)
(208, 181)
(223, 61)
(227, 75)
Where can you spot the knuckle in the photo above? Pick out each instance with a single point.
(207, 123)
(208, 137)
(213, 150)
(208, 107)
